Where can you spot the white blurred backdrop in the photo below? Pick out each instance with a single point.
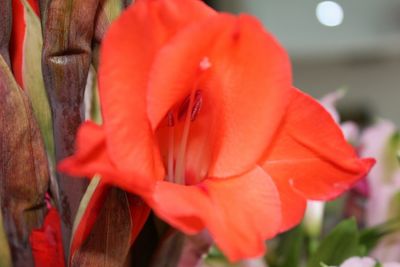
(360, 53)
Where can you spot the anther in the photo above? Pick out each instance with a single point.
(170, 119)
(197, 103)
(183, 107)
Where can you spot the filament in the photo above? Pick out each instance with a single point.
(180, 159)
(170, 165)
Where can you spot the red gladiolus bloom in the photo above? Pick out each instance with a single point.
(201, 120)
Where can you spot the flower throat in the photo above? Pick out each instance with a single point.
(187, 111)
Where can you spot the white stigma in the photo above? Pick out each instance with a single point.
(205, 63)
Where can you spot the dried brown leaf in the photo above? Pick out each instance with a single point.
(179, 250)
(5, 29)
(24, 175)
(109, 241)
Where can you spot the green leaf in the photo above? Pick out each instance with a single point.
(391, 157)
(337, 246)
(214, 252)
(289, 250)
(92, 100)
(108, 10)
(112, 8)
(370, 237)
(394, 207)
(33, 78)
(33, 84)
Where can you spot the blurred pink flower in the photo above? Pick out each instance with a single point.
(379, 141)
(315, 209)
(383, 182)
(384, 178)
(366, 262)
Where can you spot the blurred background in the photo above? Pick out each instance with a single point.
(338, 44)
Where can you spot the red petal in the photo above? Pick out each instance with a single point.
(293, 204)
(244, 87)
(240, 212)
(310, 152)
(139, 213)
(127, 55)
(91, 158)
(46, 242)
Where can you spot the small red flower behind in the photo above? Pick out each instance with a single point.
(201, 120)
(46, 242)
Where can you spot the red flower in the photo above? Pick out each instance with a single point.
(46, 242)
(201, 120)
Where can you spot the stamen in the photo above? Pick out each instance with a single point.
(171, 123)
(180, 159)
(183, 108)
(170, 119)
(198, 101)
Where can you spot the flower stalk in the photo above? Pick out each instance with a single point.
(66, 60)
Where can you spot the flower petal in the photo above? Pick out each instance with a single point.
(239, 212)
(91, 157)
(243, 74)
(310, 152)
(127, 55)
(293, 204)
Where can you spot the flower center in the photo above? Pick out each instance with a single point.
(180, 121)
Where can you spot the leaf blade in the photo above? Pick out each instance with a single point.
(110, 237)
(340, 244)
